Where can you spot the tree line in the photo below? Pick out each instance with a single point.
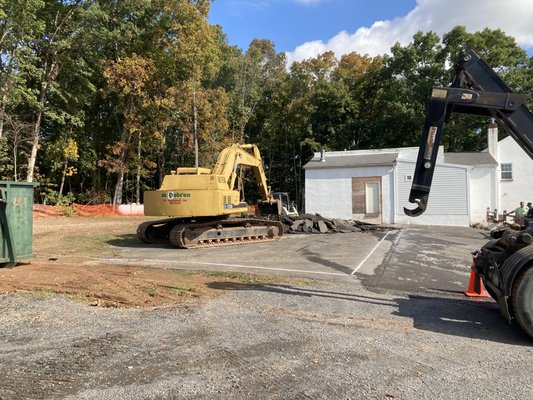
(99, 99)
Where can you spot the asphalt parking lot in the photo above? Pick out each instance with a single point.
(412, 259)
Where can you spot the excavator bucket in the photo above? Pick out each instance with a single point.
(269, 208)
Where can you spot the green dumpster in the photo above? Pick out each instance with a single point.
(16, 221)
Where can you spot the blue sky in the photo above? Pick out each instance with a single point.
(306, 28)
(289, 23)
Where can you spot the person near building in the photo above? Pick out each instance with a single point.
(520, 213)
(530, 212)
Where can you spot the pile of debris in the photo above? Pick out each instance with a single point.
(309, 223)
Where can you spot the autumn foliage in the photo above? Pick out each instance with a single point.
(100, 99)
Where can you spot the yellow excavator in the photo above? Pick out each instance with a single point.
(206, 208)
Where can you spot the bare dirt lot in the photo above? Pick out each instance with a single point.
(63, 246)
(96, 315)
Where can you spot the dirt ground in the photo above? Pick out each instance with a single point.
(63, 248)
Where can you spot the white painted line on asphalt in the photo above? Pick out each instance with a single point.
(217, 265)
(369, 254)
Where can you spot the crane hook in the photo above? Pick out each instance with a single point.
(422, 205)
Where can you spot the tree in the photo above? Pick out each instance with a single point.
(189, 53)
(122, 29)
(258, 72)
(15, 144)
(213, 124)
(492, 45)
(66, 22)
(408, 76)
(139, 85)
(503, 54)
(61, 153)
(131, 79)
(18, 26)
(363, 77)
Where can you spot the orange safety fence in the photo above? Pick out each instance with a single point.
(80, 210)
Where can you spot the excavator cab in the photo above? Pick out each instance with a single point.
(278, 204)
(287, 207)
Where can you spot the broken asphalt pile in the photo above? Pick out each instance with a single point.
(315, 223)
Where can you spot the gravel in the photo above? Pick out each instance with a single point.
(323, 340)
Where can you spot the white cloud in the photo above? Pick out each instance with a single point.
(514, 17)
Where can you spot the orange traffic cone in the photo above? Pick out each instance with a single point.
(475, 286)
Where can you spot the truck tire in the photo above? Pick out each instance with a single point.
(522, 300)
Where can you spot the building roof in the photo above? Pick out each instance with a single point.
(386, 157)
(482, 159)
(352, 160)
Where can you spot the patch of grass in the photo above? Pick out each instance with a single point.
(87, 244)
(252, 279)
(172, 290)
(182, 287)
(38, 294)
(123, 240)
(99, 243)
(97, 287)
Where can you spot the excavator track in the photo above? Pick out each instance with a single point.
(156, 231)
(226, 232)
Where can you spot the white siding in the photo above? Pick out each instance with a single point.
(459, 195)
(448, 202)
(328, 191)
(482, 193)
(521, 187)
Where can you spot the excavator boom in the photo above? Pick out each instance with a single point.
(244, 154)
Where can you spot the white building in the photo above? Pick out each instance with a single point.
(374, 185)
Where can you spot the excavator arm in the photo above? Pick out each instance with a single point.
(232, 157)
(476, 90)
